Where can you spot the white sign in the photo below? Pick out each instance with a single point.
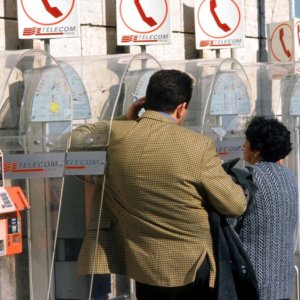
(219, 24)
(48, 19)
(230, 149)
(143, 22)
(281, 42)
(284, 41)
(297, 39)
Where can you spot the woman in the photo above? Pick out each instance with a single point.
(270, 221)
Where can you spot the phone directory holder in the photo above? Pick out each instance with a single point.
(12, 202)
(227, 108)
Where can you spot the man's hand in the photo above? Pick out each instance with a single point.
(134, 109)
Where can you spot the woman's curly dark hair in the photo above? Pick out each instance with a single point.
(270, 137)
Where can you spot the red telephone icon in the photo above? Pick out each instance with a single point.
(52, 10)
(149, 20)
(213, 6)
(281, 38)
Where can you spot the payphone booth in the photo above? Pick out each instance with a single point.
(284, 90)
(275, 93)
(289, 112)
(227, 94)
(221, 102)
(36, 109)
(290, 115)
(112, 83)
(42, 100)
(227, 108)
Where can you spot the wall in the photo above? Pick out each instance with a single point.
(98, 31)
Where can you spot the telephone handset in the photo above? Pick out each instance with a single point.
(148, 20)
(281, 38)
(52, 10)
(213, 6)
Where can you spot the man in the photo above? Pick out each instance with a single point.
(160, 176)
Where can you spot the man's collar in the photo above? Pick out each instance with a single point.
(168, 116)
(160, 116)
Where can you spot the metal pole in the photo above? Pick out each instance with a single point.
(297, 282)
(233, 53)
(297, 161)
(292, 9)
(143, 48)
(47, 45)
(47, 49)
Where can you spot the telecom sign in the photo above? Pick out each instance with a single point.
(219, 24)
(281, 42)
(297, 38)
(48, 19)
(143, 22)
(284, 41)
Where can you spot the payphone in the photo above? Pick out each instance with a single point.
(136, 78)
(134, 82)
(286, 77)
(12, 203)
(290, 115)
(45, 115)
(227, 108)
(275, 90)
(42, 100)
(36, 109)
(221, 102)
(136, 87)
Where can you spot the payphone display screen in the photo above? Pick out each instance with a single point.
(81, 103)
(229, 95)
(52, 101)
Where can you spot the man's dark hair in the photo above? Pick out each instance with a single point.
(167, 89)
(270, 137)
